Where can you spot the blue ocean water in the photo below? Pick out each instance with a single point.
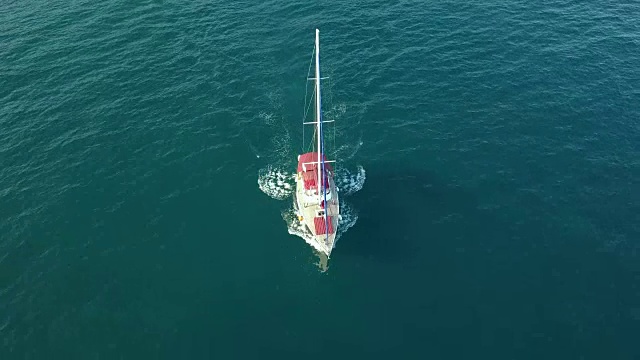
(489, 154)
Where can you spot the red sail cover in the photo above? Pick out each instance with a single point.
(319, 225)
(310, 176)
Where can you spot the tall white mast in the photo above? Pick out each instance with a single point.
(318, 119)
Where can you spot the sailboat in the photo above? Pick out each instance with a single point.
(316, 196)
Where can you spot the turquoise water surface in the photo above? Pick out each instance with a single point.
(488, 157)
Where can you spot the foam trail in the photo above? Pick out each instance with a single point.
(267, 118)
(349, 183)
(276, 182)
(279, 184)
(294, 226)
(348, 218)
(274, 138)
(348, 151)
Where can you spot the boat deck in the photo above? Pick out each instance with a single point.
(309, 210)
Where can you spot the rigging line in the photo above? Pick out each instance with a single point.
(313, 141)
(330, 91)
(306, 112)
(321, 158)
(322, 184)
(305, 117)
(306, 89)
(308, 106)
(335, 149)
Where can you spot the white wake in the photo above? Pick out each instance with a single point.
(280, 184)
(350, 182)
(276, 182)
